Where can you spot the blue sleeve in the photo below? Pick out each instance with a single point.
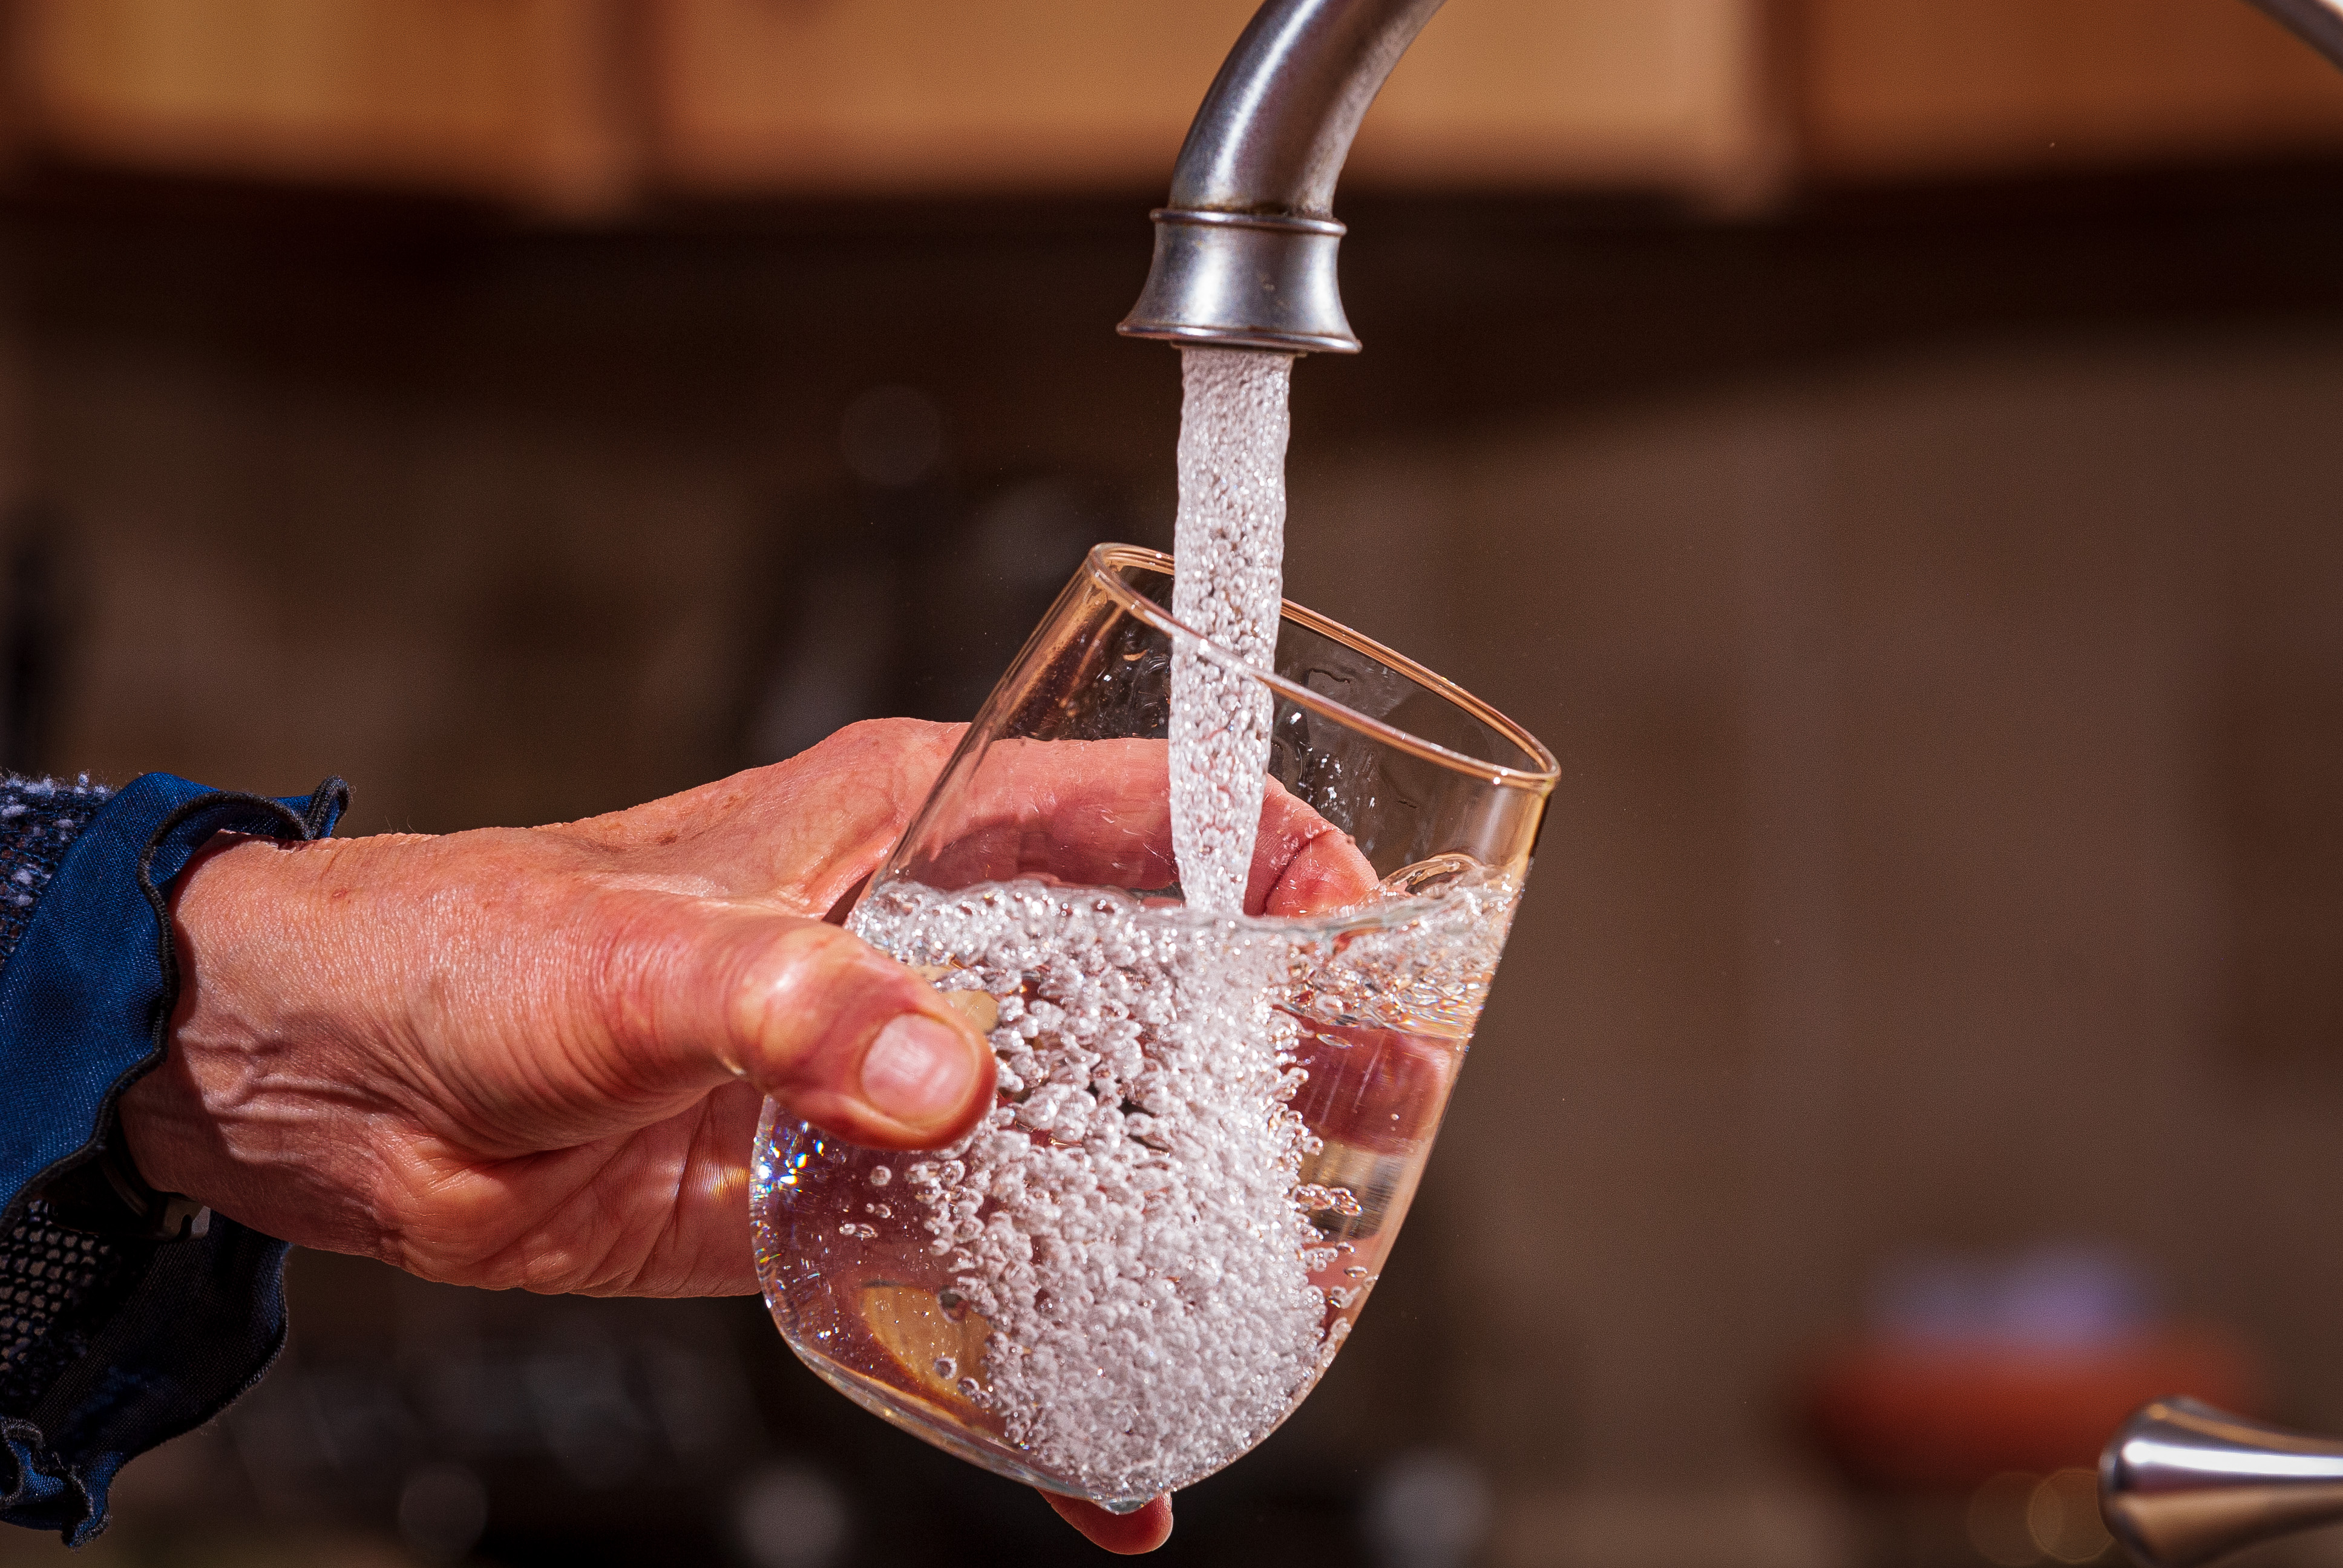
(124, 1319)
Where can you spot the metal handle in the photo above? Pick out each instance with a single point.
(2181, 1482)
(2319, 23)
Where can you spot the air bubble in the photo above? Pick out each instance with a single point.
(1135, 1236)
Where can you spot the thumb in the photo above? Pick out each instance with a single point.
(840, 1033)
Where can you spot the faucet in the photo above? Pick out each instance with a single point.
(2182, 1483)
(1244, 251)
(2319, 23)
(1244, 258)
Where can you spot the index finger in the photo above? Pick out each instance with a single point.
(1124, 1534)
(1098, 813)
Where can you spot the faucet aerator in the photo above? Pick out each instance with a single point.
(1244, 250)
(1243, 280)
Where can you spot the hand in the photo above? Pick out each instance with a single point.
(1098, 813)
(534, 1057)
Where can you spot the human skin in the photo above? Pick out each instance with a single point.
(536, 1057)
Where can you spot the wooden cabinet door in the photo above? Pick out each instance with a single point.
(769, 95)
(1896, 88)
(520, 99)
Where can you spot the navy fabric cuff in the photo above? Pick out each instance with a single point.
(85, 1005)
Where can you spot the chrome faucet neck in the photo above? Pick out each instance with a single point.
(2181, 1484)
(2319, 23)
(1245, 249)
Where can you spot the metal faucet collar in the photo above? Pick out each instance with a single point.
(1245, 248)
(2182, 1483)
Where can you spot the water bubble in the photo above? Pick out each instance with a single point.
(1135, 1235)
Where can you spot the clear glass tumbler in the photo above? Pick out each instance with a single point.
(1207, 1126)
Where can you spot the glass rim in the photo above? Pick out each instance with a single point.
(1540, 779)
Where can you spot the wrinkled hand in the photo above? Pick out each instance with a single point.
(534, 1057)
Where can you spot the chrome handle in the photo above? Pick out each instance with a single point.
(2181, 1482)
(2319, 23)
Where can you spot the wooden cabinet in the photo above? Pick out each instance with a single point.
(515, 99)
(914, 95)
(586, 105)
(1920, 88)
(1538, 93)
(829, 95)
(580, 104)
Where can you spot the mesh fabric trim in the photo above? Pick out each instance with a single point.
(55, 1284)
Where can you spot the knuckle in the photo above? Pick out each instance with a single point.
(817, 949)
(814, 978)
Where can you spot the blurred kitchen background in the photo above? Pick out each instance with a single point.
(1892, 450)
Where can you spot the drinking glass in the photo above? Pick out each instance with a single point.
(1207, 1126)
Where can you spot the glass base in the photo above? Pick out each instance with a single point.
(897, 1408)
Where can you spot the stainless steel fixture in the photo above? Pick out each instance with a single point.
(1244, 253)
(1245, 258)
(2181, 1482)
(2319, 23)
(1245, 248)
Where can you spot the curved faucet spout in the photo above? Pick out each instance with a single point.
(2319, 23)
(1244, 253)
(2181, 1484)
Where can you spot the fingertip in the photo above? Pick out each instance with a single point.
(851, 1040)
(1125, 1535)
(1303, 864)
(1329, 873)
(921, 1072)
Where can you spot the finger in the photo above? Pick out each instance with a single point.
(1093, 812)
(839, 808)
(1302, 863)
(1374, 1089)
(802, 832)
(843, 1036)
(855, 1043)
(1126, 1534)
(1097, 813)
